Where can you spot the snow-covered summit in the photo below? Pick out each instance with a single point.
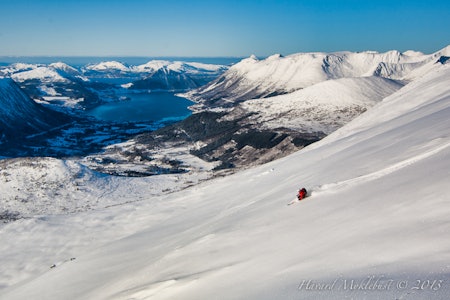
(252, 78)
(178, 66)
(17, 67)
(444, 51)
(64, 67)
(413, 53)
(151, 66)
(41, 73)
(108, 65)
(54, 72)
(174, 75)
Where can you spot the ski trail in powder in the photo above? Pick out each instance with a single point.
(332, 187)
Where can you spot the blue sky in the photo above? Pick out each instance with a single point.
(219, 28)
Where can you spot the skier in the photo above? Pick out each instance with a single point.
(301, 194)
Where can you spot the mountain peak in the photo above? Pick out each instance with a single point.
(274, 57)
(108, 65)
(445, 51)
(413, 53)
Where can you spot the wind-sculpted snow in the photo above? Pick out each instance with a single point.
(374, 227)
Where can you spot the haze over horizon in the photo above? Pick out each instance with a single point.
(232, 28)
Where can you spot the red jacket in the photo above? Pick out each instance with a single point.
(301, 194)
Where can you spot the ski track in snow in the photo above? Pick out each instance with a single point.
(342, 185)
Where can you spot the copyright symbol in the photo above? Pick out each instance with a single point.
(403, 284)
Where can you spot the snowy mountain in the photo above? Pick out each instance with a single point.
(166, 75)
(284, 103)
(55, 72)
(318, 93)
(166, 79)
(44, 74)
(108, 66)
(179, 66)
(323, 107)
(71, 89)
(68, 71)
(20, 116)
(168, 71)
(374, 226)
(252, 78)
(16, 67)
(58, 85)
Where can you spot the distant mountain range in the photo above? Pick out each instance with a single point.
(60, 84)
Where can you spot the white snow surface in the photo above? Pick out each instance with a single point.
(55, 72)
(324, 107)
(285, 74)
(46, 74)
(64, 67)
(51, 186)
(108, 65)
(178, 66)
(17, 67)
(157, 64)
(378, 208)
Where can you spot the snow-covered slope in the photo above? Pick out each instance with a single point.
(253, 78)
(44, 74)
(167, 75)
(178, 66)
(36, 186)
(166, 79)
(323, 107)
(17, 67)
(57, 84)
(19, 115)
(53, 73)
(68, 71)
(114, 68)
(107, 66)
(374, 227)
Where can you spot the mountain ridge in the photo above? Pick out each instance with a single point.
(21, 116)
(252, 78)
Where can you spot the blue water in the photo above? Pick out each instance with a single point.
(144, 107)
